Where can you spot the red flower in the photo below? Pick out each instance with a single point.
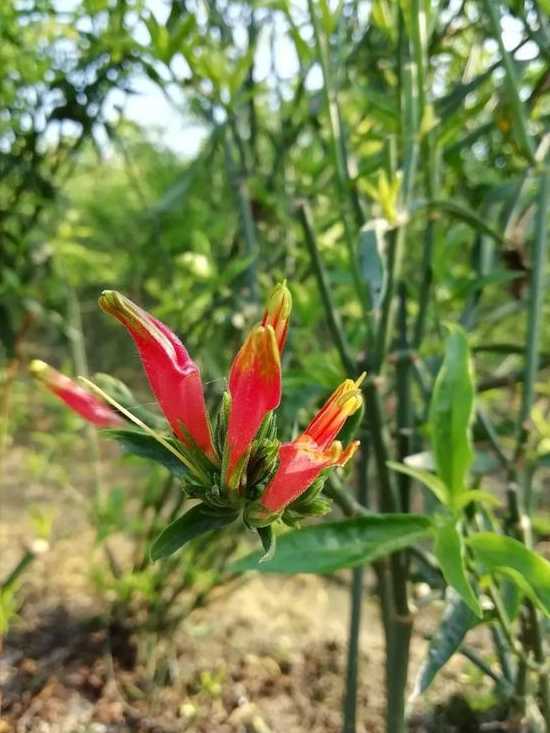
(174, 377)
(87, 405)
(255, 388)
(255, 379)
(315, 450)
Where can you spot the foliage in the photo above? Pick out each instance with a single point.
(394, 170)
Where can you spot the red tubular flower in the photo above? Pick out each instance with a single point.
(315, 450)
(173, 376)
(255, 388)
(87, 405)
(277, 312)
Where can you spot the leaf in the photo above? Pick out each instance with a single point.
(463, 214)
(323, 548)
(456, 621)
(370, 252)
(482, 497)
(430, 480)
(484, 462)
(504, 555)
(268, 539)
(451, 413)
(145, 446)
(448, 548)
(198, 520)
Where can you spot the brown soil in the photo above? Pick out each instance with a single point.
(267, 658)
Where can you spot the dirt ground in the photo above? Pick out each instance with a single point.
(267, 658)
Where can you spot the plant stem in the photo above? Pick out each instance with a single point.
(356, 597)
(78, 350)
(248, 227)
(340, 160)
(518, 521)
(331, 313)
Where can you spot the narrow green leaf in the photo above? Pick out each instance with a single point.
(370, 252)
(504, 555)
(268, 539)
(451, 413)
(482, 497)
(448, 548)
(323, 548)
(461, 213)
(196, 521)
(484, 462)
(145, 446)
(456, 621)
(430, 480)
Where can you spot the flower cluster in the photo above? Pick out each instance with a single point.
(236, 463)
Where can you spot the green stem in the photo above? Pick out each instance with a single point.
(352, 669)
(331, 313)
(340, 160)
(78, 350)
(248, 227)
(518, 521)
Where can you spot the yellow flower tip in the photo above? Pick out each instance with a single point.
(280, 301)
(360, 379)
(111, 301)
(348, 395)
(38, 368)
(348, 453)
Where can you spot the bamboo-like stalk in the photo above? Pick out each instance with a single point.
(333, 319)
(237, 178)
(78, 351)
(340, 160)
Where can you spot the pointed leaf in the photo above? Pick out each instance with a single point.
(267, 536)
(145, 446)
(456, 621)
(451, 414)
(504, 555)
(198, 520)
(323, 548)
(372, 266)
(430, 480)
(448, 548)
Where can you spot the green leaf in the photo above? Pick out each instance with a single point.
(372, 266)
(145, 446)
(430, 480)
(323, 548)
(198, 520)
(451, 414)
(484, 462)
(268, 539)
(448, 548)
(467, 216)
(506, 556)
(482, 497)
(456, 621)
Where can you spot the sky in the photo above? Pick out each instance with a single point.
(149, 107)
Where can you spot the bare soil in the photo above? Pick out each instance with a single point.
(269, 657)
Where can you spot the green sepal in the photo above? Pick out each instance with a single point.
(256, 516)
(222, 419)
(268, 540)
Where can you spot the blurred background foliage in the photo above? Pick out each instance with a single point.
(424, 117)
(261, 106)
